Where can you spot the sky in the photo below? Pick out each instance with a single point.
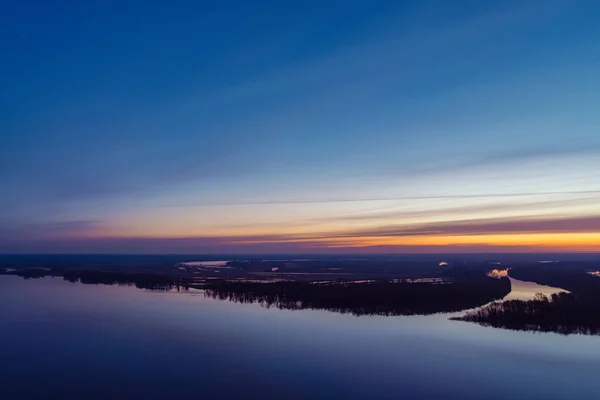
(299, 127)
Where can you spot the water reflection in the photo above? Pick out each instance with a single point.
(534, 307)
(561, 313)
(385, 297)
(150, 281)
(522, 290)
(527, 305)
(71, 341)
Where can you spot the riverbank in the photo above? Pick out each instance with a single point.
(571, 309)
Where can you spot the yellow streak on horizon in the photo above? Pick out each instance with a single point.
(588, 240)
(569, 241)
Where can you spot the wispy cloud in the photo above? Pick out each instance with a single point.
(221, 246)
(415, 97)
(484, 227)
(394, 198)
(518, 207)
(18, 230)
(495, 158)
(472, 227)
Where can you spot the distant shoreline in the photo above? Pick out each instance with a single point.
(360, 286)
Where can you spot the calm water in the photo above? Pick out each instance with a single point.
(70, 341)
(521, 290)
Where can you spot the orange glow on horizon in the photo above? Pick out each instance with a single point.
(576, 241)
(560, 242)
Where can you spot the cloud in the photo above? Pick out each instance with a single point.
(330, 110)
(332, 242)
(450, 212)
(394, 198)
(11, 230)
(513, 155)
(116, 158)
(481, 227)
(212, 246)
(471, 227)
(111, 245)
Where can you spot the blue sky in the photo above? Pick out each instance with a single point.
(158, 122)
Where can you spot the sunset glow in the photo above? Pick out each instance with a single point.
(466, 134)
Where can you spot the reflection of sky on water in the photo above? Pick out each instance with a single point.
(521, 290)
(211, 264)
(120, 342)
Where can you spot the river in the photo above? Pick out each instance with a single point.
(74, 341)
(523, 290)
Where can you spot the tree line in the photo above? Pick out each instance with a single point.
(381, 297)
(575, 312)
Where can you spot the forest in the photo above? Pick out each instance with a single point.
(575, 312)
(380, 297)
